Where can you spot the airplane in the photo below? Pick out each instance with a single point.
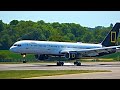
(72, 51)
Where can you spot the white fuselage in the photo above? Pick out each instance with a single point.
(48, 47)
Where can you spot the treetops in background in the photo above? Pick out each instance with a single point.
(40, 30)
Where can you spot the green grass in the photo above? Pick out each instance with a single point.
(13, 57)
(114, 55)
(18, 74)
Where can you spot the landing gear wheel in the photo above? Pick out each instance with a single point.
(60, 63)
(24, 61)
(77, 63)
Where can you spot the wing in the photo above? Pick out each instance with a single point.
(93, 52)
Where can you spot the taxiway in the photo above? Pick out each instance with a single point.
(114, 67)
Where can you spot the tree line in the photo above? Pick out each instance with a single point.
(40, 30)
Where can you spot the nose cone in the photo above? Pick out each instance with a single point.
(12, 49)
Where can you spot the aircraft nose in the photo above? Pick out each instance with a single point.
(12, 49)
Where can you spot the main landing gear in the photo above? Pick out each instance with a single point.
(60, 63)
(76, 63)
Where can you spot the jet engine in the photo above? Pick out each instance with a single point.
(72, 55)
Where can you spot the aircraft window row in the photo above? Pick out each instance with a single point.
(55, 46)
(17, 45)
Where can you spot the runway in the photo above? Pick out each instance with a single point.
(114, 67)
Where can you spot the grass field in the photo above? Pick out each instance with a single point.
(13, 57)
(18, 74)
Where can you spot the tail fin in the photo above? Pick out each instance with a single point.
(111, 38)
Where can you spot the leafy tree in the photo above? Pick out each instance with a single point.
(111, 25)
(14, 22)
(1, 26)
(40, 30)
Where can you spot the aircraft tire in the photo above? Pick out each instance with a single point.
(24, 61)
(77, 63)
(60, 63)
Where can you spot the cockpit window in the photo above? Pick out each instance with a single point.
(16, 45)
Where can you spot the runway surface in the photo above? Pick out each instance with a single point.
(113, 66)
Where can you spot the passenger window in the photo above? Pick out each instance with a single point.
(19, 45)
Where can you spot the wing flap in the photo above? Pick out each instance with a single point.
(94, 51)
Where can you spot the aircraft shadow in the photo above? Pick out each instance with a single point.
(83, 65)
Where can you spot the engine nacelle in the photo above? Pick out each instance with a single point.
(41, 57)
(72, 55)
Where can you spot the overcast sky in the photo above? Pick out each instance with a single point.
(84, 18)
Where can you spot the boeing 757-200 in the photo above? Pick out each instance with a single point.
(44, 49)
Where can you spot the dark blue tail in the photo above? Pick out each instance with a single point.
(111, 38)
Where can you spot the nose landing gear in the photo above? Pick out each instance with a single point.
(24, 55)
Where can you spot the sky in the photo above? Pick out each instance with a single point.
(84, 18)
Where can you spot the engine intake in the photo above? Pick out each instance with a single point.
(72, 55)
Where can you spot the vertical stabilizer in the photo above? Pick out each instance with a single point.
(111, 38)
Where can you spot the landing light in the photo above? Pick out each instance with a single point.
(23, 55)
